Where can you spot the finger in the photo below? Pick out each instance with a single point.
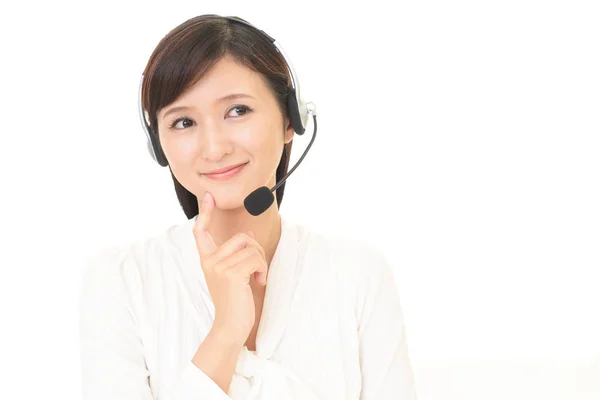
(262, 251)
(252, 265)
(236, 243)
(260, 273)
(204, 241)
(236, 258)
(260, 276)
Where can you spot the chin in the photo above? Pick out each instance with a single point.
(228, 198)
(228, 202)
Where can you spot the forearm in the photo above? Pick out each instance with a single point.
(217, 357)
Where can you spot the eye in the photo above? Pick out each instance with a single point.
(181, 119)
(240, 110)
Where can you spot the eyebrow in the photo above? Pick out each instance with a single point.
(231, 96)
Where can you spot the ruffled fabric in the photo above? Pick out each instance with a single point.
(259, 378)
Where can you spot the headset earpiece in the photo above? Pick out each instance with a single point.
(156, 150)
(294, 113)
(152, 140)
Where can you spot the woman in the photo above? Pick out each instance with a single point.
(229, 304)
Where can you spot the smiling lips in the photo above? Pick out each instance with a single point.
(225, 173)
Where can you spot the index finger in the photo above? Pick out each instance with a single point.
(204, 241)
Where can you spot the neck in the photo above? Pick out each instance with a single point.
(266, 227)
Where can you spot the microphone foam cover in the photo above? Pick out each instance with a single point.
(259, 201)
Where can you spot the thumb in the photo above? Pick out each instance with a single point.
(204, 241)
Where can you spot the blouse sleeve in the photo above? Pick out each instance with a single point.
(112, 354)
(385, 365)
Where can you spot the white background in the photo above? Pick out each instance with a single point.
(462, 138)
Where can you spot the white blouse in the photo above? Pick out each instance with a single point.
(331, 325)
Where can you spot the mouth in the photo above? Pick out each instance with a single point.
(226, 174)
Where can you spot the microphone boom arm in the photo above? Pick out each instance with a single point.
(283, 179)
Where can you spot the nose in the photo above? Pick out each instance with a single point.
(214, 142)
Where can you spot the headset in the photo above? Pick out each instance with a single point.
(299, 112)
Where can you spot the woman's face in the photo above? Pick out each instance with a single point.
(213, 130)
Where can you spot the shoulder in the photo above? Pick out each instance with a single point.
(344, 251)
(129, 264)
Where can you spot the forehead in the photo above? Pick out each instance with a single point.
(226, 76)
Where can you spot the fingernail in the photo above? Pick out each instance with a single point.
(205, 197)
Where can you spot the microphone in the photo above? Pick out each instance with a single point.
(261, 199)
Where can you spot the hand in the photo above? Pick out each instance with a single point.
(227, 270)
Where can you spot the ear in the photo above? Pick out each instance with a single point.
(289, 133)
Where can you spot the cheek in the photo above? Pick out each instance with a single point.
(181, 155)
(259, 139)
(269, 138)
(266, 150)
(180, 150)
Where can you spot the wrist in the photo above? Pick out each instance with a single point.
(226, 338)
